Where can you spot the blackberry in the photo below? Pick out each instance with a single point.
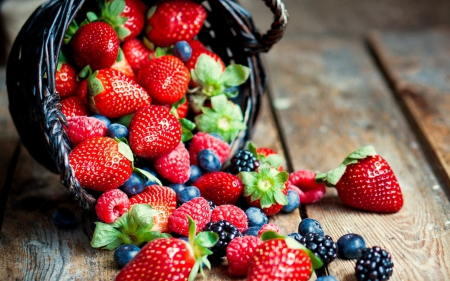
(374, 264)
(226, 231)
(322, 246)
(243, 161)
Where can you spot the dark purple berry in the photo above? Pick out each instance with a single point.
(322, 246)
(243, 161)
(309, 225)
(374, 264)
(188, 193)
(125, 253)
(135, 184)
(226, 232)
(116, 130)
(350, 246)
(182, 50)
(208, 161)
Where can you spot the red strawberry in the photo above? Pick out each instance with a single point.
(160, 198)
(80, 128)
(95, 44)
(124, 67)
(220, 187)
(265, 188)
(239, 254)
(170, 258)
(154, 132)
(263, 152)
(198, 49)
(114, 95)
(66, 80)
(174, 166)
(365, 181)
(197, 209)
(136, 53)
(111, 205)
(274, 260)
(232, 214)
(182, 108)
(127, 19)
(165, 78)
(74, 106)
(202, 141)
(81, 91)
(268, 226)
(303, 182)
(173, 21)
(100, 163)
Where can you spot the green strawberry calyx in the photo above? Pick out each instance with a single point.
(70, 32)
(133, 227)
(293, 244)
(274, 160)
(187, 126)
(331, 178)
(265, 184)
(200, 244)
(224, 118)
(110, 13)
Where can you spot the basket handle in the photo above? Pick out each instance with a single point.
(276, 31)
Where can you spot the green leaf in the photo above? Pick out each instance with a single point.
(270, 234)
(104, 234)
(335, 175)
(125, 150)
(86, 72)
(282, 177)
(247, 178)
(143, 214)
(264, 169)
(252, 148)
(91, 16)
(206, 239)
(266, 200)
(194, 271)
(280, 198)
(116, 7)
(148, 175)
(186, 123)
(152, 235)
(120, 55)
(120, 21)
(235, 75)
(159, 52)
(95, 86)
(123, 222)
(360, 153)
(275, 160)
(122, 32)
(125, 120)
(293, 244)
(219, 103)
(207, 70)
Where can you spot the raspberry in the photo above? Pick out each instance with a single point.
(226, 231)
(174, 166)
(321, 245)
(245, 161)
(205, 141)
(267, 227)
(374, 264)
(197, 209)
(304, 184)
(111, 205)
(80, 128)
(231, 213)
(239, 253)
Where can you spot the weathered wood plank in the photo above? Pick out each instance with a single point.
(331, 100)
(417, 65)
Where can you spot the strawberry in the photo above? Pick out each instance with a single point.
(202, 141)
(165, 78)
(74, 106)
(239, 254)
(174, 166)
(232, 214)
(111, 205)
(281, 258)
(171, 258)
(265, 188)
(161, 198)
(95, 44)
(181, 107)
(174, 20)
(124, 67)
(114, 95)
(101, 163)
(264, 152)
(268, 226)
(220, 187)
(365, 181)
(197, 209)
(65, 80)
(154, 132)
(80, 128)
(198, 49)
(136, 53)
(81, 92)
(303, 182)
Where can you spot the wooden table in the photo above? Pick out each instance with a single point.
(328, 95)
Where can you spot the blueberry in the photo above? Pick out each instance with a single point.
(295, 235)
(216, 135)
(184, 238)
(102, 118)
(188, 193)
(182, 50)
(177, 187)
(350, 246)
(135, 184)
(327, 278)
(251, 231)
(150, 181)
(116, 130)
(293, 202)
(64, 218)
(125, 253)
(208, 160)
(310, 225)
(195, 174)
(256, 217)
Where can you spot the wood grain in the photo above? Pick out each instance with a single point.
(417, 65)
(331, 99)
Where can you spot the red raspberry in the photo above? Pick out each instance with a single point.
(174, 166)
(303, 182)
(80, 128)
(232, 214)
(267, 227)
(205, 141)
(197, 209)
(111, 205)
(240, 252)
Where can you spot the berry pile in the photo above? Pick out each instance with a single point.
(150, 117)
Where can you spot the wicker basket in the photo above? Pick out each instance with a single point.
(35, 106)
